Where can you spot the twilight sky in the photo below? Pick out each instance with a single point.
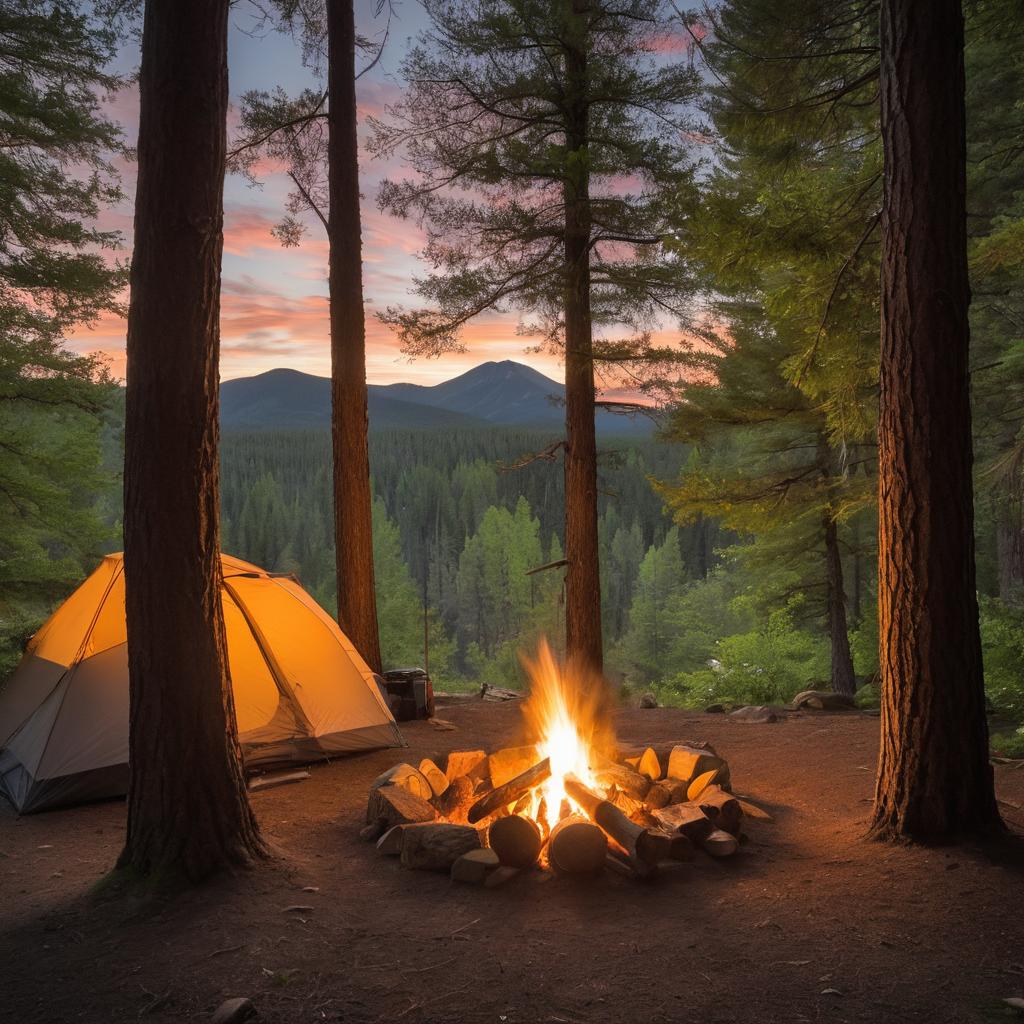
(274, 300)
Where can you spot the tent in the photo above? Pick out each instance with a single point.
(302, 692)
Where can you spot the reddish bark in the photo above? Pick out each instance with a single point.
(934, 777)
(353, 499)
(583, 581)
(188, 812)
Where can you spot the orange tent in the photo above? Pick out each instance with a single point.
(302, 692)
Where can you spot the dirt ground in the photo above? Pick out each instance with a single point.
(807, 923)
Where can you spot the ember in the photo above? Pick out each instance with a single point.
(570, 799)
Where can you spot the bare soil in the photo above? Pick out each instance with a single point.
(807, 923)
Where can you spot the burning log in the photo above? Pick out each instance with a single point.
(577, 846)
(624, 778)
(454, 802)
(436, 847)
(510, 792)
(509, 763)
(395, 805)
(516, 840)
(640, 843)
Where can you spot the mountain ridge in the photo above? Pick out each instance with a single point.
(505, 393)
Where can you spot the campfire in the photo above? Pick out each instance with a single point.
(570, 799)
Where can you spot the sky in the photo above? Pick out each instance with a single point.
(274, 301)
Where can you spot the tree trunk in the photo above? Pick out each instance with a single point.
(843, 679)
(934, 777)
(353, 499)
(188, 812)
(1010, 552)
(583, 580)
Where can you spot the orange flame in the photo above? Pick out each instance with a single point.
(568, 718)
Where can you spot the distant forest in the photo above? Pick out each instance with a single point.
(458, 523)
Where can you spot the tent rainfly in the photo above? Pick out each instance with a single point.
(302, 692)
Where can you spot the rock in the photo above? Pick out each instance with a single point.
(754, 715)
(648, 700)
(233, 1011)
(474, 867)
(823, 700)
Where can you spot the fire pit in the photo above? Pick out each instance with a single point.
(570, 799)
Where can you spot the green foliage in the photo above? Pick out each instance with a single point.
(400, 607)
(766, 665)
(1002, 644)
(55, 179)
(504, 141)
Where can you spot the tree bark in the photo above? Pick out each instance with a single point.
(1010, 552)
(843, 679)
(583, 579)
(353, 499)
(934, 777)
(188, 812)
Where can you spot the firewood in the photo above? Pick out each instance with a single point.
(390, 844)
(372, 832)
(395, 805)
(637, 841)
(454, 802)
(436, 778)
(699, 784)
(648, 764)
(516, 840)
(687, 763)
(753, 810)
(509, 763)
(686, 819)
(408, 778)
(634, 809)
(719, 843)
(464, 762)
(619, 865)
(435, 847)
(663, 751)
(608, 774)
(577, 846)
(660, 795)
(723, 809)
(509, 792)
(680, 846)
(474, 867)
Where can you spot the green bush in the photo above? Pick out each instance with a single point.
(1002, 643)
(1008, 744)
(762, 666)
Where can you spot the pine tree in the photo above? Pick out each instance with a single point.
(188, 811)
(934, 776)
(523, 120)
(56, 177)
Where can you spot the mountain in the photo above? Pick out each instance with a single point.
(289, 400)
(493, 394)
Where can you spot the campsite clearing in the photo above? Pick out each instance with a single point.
(810, 924)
